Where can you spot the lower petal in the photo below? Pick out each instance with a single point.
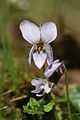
(47, 88)
(39, 59)
(36, 91)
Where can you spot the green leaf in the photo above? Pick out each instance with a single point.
(33, 107)
(48, 107)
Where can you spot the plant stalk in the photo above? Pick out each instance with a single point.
(67, 96)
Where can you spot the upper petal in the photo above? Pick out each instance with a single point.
(30, 31)
(39, 59)
(48, 32)
(36, 82)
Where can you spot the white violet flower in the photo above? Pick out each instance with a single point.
(41, 87)
(39, 37)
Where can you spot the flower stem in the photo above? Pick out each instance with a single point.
(67, 96)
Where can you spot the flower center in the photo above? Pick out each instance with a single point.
(39, 47)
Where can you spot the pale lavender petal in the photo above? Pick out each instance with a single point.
(47, 88)
(51, 69)
(30, 31)
(48, 32)
(36, 82)
(41, 94)
(49, 52)
(56, 61)
(37, 90)
(30, 54)
(39, 59)
(41, 87)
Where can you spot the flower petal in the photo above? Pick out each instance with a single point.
(30, 54)
(37, 90)
(40, 94)
(30, 31)
(41, 86)
(36, 81)
(47, 88)
(39, 59)
(48, 32)
(51, 69)
(49, 52)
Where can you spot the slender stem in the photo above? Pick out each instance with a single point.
(67, 96)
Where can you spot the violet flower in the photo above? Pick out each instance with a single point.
(41, 87)
(39, 38)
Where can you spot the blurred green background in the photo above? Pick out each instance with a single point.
(14, 68)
